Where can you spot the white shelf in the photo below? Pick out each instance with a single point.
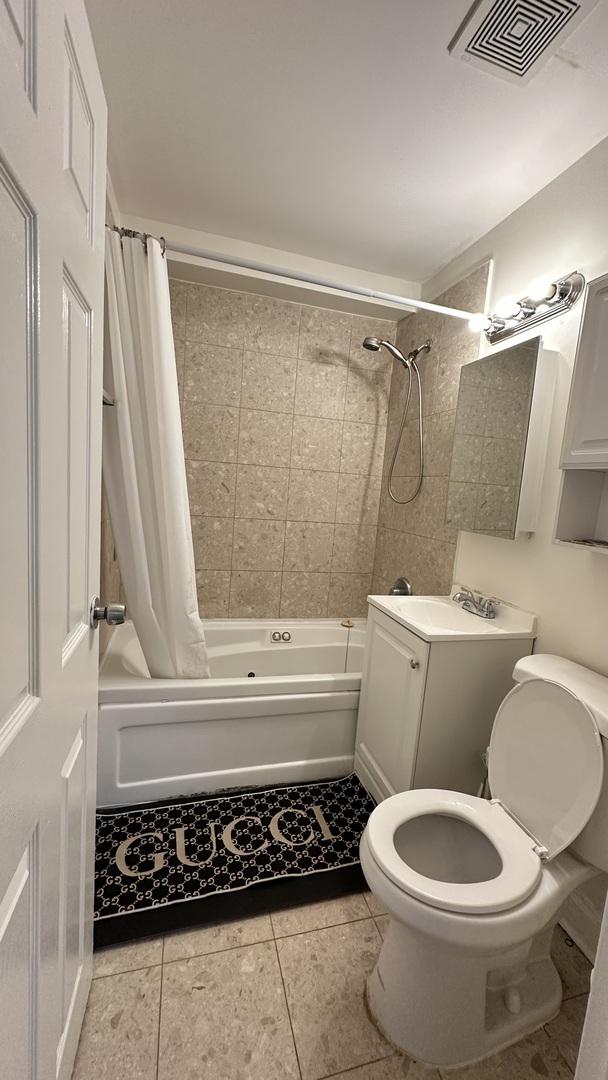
(583, 508)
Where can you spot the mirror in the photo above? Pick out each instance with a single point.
(490, 436)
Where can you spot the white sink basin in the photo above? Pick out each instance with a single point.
(438, 618)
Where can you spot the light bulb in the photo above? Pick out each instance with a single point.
(508, 308)
(479, 322)
(541, 290)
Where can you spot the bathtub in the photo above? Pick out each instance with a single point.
(272, 712)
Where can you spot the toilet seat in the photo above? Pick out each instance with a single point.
(521, 863)
(546, 771)
(546, 763)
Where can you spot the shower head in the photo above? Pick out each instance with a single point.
(374, 344)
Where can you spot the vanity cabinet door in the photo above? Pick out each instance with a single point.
(586, 435)
(392, 693)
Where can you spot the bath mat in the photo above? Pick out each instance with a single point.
(184, 862)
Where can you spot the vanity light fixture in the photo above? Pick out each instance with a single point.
(545, 300)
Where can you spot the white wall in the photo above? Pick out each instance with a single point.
(563, 228)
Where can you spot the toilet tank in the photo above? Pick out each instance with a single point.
(592, 689)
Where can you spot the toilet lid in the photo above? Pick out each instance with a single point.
(546, 764)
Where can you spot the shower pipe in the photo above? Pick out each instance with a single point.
(298, 275)
(412, 366)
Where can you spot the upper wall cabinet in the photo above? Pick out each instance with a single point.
(586, 436)
(582, 516)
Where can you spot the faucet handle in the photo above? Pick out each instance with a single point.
(463, 594)
(488, 606)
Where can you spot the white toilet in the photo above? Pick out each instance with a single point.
(474, 887)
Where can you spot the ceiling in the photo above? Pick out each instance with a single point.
(339, 129)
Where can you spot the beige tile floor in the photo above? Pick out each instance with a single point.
(280, 997)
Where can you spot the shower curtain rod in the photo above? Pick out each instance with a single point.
(308, 279)
(135, 235)
(297, 275)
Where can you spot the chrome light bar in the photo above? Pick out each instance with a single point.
(554, 298)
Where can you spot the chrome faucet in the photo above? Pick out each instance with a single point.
(477, 605)
(401, 587)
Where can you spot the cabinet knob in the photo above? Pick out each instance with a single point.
(414, 663)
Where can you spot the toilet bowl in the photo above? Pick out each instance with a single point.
(474, 887)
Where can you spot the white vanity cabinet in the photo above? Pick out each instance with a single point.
(427, 706)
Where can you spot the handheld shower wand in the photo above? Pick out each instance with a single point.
(374, 344)
(409, 362)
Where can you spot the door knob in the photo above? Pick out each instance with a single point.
(113, 614)
(414, 663)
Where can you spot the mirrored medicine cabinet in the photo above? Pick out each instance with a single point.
(501, 427)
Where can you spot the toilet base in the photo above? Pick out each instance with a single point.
(447, 1009)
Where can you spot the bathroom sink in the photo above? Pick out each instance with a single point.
(439, 618)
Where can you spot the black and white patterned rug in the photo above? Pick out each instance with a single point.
(179, 863)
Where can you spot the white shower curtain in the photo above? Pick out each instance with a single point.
(143, 461)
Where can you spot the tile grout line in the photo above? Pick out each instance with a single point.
(290, 468)
(304, 415)
(289, 480)
(336, 522)
(376, 918)
(126, 971)
(374, 914)
(286, 999)
(237, 463)
(561, 1056)
(245, 945)
(364, 1065)
(329, 926)
(554, 1041)
(160, 1009)
(421, 536)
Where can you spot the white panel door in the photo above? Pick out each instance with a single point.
(52, 198)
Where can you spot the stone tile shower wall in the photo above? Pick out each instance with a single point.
(284, 423)
(414, 539)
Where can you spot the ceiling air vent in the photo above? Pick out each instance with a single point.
(514, 38)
